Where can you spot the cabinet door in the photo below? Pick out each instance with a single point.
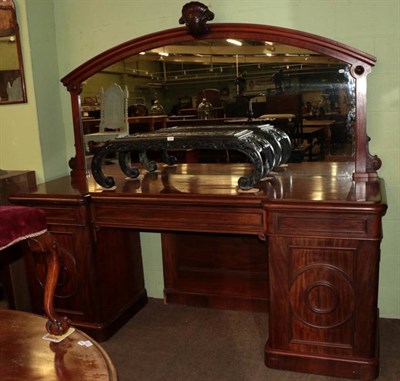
(324, 296)
(100, 283)
(323, 269)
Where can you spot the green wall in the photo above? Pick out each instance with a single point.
(20, 147)
(42, 32)
(65, 33)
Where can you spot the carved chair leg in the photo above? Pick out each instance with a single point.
(46, 244)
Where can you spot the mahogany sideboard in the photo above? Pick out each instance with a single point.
(320, 231)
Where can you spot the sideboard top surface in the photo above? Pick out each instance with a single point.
(295, 182)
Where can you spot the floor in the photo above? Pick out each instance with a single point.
(180, 343)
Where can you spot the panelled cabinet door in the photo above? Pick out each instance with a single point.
(323, 286)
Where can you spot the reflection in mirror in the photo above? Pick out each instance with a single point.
(310, 96)
(12, 84)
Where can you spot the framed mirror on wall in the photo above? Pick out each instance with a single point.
(12, 81)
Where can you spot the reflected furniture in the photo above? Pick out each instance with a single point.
(265, 146)
(114, 109)
(152, 122)
(135, 124)
(113, 116)
(318, 133)
(319, 224)
(25, 355)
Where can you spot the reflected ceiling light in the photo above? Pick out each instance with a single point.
(163, 54)
(142, 53)
(234, 42)
(269, 45)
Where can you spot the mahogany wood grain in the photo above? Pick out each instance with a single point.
(322, 232)
(360, 63)
(47, 245)
(322, 228)
(15, 181)
(215, 270)
(24, 355)
(87, 268)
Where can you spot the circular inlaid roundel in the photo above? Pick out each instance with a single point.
(322, 297)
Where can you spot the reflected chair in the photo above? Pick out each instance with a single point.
(113, 116)
(114, 110)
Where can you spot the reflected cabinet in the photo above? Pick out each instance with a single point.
(302, 244)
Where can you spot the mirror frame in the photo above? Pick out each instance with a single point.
(360, 63)
(8, 5)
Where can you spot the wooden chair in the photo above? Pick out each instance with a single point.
(28, 225)
(75, 356)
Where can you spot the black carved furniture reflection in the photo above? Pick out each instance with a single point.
(279, 140)
(265, 146)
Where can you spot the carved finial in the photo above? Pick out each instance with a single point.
(194, 16)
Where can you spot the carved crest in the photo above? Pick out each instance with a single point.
(195, 16)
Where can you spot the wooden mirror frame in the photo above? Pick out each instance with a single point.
(360, 63)
(9, 27)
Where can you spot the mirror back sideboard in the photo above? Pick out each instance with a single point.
(310, 234)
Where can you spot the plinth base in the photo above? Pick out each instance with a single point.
(355, 368)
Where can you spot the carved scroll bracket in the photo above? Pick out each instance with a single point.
(195, 16)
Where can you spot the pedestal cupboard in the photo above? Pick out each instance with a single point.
(303, 244)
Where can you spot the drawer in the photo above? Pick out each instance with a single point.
(316, 223)
(67, 215)
(170, 217)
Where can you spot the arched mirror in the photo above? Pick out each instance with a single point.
(12, 82)
(309, 95)
(310, 86)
